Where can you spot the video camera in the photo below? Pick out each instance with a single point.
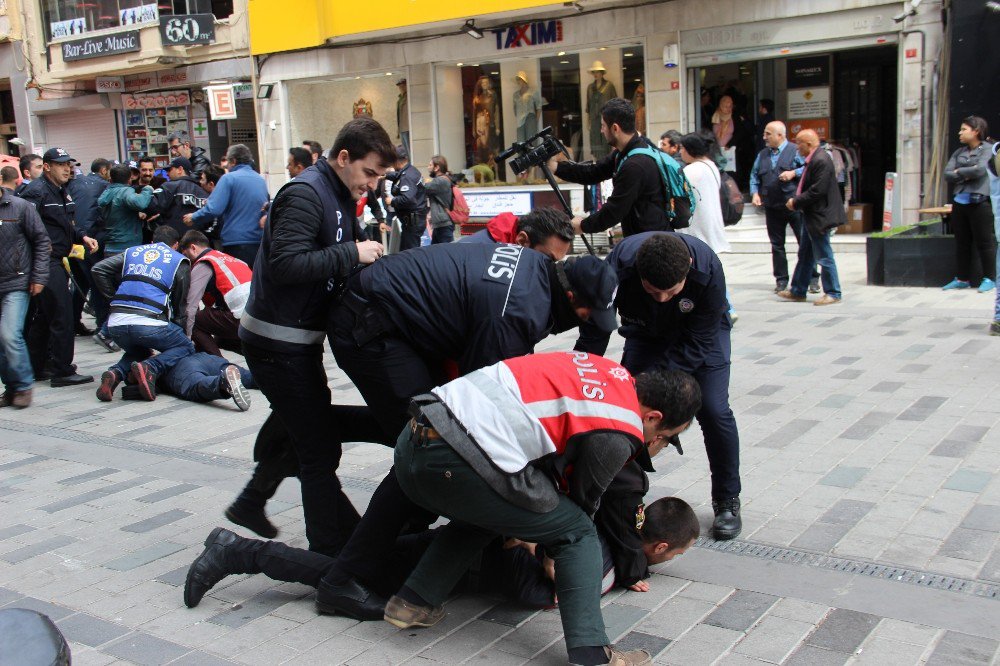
(529, 155)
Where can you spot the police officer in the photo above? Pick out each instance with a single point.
(51, 332)
(408, 199)
(544, 230)
(307, 251)
(672, 303)
(179, 196)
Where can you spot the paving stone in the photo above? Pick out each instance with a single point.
(175, 577)
(469, 639)
(844, 476)
(9, 596)
(167, 493)
(741, 610)
(251, 609)
(966, 544)
(968, 480)
(956, 649)
(54, 612)
(508, 613)
(983, 517)
(922, 409)
(807, 655)
(83, 498)
(849, 373)
(887, 387)
(968, 433)
(843, 630)
(990, 570)
(821, 537)
(145, 650)
(40, 548)
(198, 658)
(884, 652)
(636, 640)
(788, 433)
(619, 619)
(952, 449)
(846, 512)
(143, 556)
(773, 639)
(15, 531)
(675, 617)
(763, 408)
(765, 390)
(88, 476)
(23, 462)
(90, 630)
(153, 522)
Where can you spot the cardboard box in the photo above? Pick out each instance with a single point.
(859, 220)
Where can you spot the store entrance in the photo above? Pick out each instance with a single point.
(849, 97)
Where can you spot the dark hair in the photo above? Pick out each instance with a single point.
(714, 150)
(238, 154)
(213, 172)
(663, 260)
(314, 146)
(440, 162)
(182, 137)
(977, 125)
(121, 173)
(695, 145)
(165, 234)
(673, 392)
(147, 159)
(361, 137)
(768, 104)
(673, 136)
(543, 223)
(670, 520)
(301, 156)
(98, 164)
(25, 163)
(619, 111)
(193, 237)
(8, 173)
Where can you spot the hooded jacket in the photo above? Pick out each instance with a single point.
(121, 206)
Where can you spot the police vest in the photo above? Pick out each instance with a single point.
(773, 192)
(232, 281)
(147, 277)
(524, 409)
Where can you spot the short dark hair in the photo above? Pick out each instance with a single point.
(146, 159)
(193, 237)
(121, 173)
(670, 520)
(362, 136)
(25, 163)
(977, 125)
(673, 136)
(314, 146)
(8, 174)
(768, 104)
(213, 172)
(440, 162)
(238, 154)
(543, 223)
(165, 234)
(695, 145)
(301, 156)
(673, 392)
(619, 111)
(181, 136)
(663, 260)
(98, 164)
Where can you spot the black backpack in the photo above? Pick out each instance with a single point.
(731, 199)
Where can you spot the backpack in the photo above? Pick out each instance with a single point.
(459, 209)
(731, 199)
(679, 193)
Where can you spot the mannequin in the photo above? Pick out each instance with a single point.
(527, 107)
(403, 115)
(599, 93)
(485, 121)
(639, 102)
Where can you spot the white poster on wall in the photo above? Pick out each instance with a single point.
(491, 204)
(809, 102)
(142, 14)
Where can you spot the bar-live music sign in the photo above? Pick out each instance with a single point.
(96, 47)
(529, 34)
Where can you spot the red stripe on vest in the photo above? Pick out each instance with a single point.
(224, 279)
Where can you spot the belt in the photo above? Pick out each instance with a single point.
(423, 432)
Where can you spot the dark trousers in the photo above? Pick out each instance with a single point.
(50, 334)
(213, 326)
(972, 225)
(777, 220)
(722, 438)
(246, 252)
(443, 235)
(81, 275)
(412, 228)
(296, 387)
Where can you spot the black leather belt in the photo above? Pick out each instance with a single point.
(423, 432)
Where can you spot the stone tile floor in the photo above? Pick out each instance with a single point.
(869, 437)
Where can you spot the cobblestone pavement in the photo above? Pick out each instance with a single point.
(871, 510)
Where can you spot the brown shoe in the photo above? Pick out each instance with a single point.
(404, 615)
(6, 399)
(630, 658)
(21, 399)
(789, 296)
(827, 299)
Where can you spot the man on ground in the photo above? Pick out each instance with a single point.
(202, 377)
(220, 281)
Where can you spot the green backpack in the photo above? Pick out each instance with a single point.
(679, 193)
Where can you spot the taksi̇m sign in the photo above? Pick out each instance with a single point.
(98, 47)
(529, 34)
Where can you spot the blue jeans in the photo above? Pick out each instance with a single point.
(136, 341)
(995, 199)
(815, 249)
(443, 235)
(15, 363)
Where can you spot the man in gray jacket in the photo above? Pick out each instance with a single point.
(439, 197)
(24, 268)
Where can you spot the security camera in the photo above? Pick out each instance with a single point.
(912, 11)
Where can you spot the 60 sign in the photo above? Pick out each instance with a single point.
(190, 29)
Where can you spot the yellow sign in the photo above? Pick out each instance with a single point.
(275, 26)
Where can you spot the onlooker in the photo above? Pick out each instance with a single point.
(701, 172)
(237, 199)
(994, 170)
(147, 286)
(730, 128)
(314, 148)
(210, 177)
(818, 197)
(670, 143)
(50, 335)
(86, 190)
(971, 212)
(31, 169)
(180, 146)
(24, 271)
(765, 116)
(440, 199)
(8, 179)
(179, 196)
(147, 171)
(121, 205)
(220, 281)
(299, 159)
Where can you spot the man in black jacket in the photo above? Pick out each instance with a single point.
(180, 146)
(85, 191)
(638, 201)
(307, 252)
(51, 332)
(179, 196)
(408, 199)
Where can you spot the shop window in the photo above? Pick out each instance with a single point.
(485, 107)
(70, 18)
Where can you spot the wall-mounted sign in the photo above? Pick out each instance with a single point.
(491, 204)
(819, 125)
(529, 34)
(808, 102)
(106, 84)
(156, 100)
(243, 91)
(221, 102)
(808, 72)
(67, 28)
(140, 82)
(187, 29)
(142, 14)
(172, 77)
(98, 47)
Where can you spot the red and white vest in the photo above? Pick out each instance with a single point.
(232, 281)
(526, 408)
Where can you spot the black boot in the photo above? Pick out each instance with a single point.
(728, 523)
(351, 599)
(212, 565)
(248, 509)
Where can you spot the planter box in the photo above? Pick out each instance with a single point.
(909, 260)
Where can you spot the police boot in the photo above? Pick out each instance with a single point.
(349, 598)
(225, 553)
(248, 509)
(727, 524)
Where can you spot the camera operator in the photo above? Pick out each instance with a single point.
(409, 199)
(638, 201)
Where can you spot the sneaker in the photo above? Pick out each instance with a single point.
(994, 330)
(727, 524)
(234, 385)
(814, 286)
(987, 285)
(404, 615)
(956, 284)
(105, 341)
(21, 399)
(109, 382)
(145, 380)
(780, 285)
(789, 296)
(827, 299)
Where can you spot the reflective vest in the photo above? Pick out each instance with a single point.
(232, 281)
(147, 277)
(523, 409)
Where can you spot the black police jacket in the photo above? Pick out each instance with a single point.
(408, 193)
(175, 199)
(58, 212)
(617, 520)
(85, 191)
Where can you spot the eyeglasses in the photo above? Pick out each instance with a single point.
(175, 147)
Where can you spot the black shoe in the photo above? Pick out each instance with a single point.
(105, 341)
(351, 599)
(727, 524)
(81, 329)
(780, 285)
(71, 380)
(209, 567)
(252, 518)
(145, 379)
(109, 382)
